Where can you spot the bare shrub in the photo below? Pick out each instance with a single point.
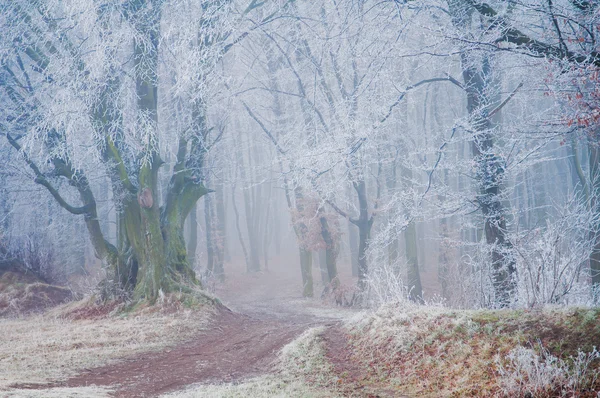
(34, 255)
(526, 373)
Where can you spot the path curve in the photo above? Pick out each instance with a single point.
(236, 346)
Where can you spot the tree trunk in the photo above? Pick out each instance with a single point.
(210, 236)
(254, 265)
(477, 76)
(323, 267)
(364, 224)
(150, 255)
(305, 253)
(443, 254)
(237, 223)
(330, 256)
(364, 232)
(353, 243)
(220, 230)
(306, 269)
(594, 161)
(415, 291)
(266, 234)
(193, 235)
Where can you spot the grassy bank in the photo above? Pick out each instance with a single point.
(437, 352)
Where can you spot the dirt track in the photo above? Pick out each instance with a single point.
(236, 346)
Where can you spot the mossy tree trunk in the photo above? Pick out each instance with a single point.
(150, 253)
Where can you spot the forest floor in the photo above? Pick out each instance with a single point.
(268, 341)
(236, 351)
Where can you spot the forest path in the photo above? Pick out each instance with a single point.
(236, 346)
(264, 313)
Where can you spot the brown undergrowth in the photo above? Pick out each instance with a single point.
(436, 352)
(24, 293)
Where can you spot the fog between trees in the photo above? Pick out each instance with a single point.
(392, 150)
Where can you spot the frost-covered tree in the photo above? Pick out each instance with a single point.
(116, 88)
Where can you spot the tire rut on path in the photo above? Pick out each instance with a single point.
(235, 347)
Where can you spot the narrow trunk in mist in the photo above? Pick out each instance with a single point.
(305, 252)
(443, 254)
(364, 224)
(415, 290)
(412, 255)
(300, 228)
(306, 269)
(364, 234)
(215, 250)
(252, 235)
(210, 236)
(223, 248)
(539, 196)
(594, 162)
(352, 238)
(330, 256)
(253, 264)
(589, 189)
(256, 206)
(323, 267)
(237, 220)
(353, 246)
(421, 227)
(276, 230)
(491, 171)
(394, 246)
(266, 234)
(478, 80)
